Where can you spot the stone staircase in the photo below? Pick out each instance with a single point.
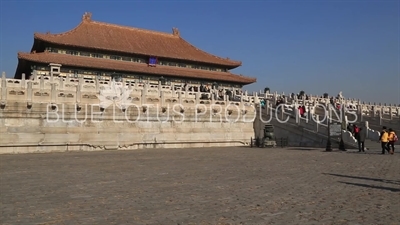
(374, 126)
(302, 132)
(307, 132)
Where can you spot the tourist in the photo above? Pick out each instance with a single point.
(392, 137)
(361, 136)
(350, 128)
(384, 140)
(262, 103)
(332, 101)
(278, 102)
(356, 129)
(300, 110)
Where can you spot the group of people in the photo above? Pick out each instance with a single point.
(387, 138)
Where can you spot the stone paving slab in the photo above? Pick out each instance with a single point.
(201, 186)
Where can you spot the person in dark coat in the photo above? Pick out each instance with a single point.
(361, 136)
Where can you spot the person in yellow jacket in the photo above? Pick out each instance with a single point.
(384, 139)
(392, 139)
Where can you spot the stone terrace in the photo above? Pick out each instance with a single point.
(200, 186)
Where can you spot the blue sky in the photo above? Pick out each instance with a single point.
(315, 46)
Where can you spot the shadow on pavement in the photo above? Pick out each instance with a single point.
(397, 182)
(372, 186)
(365, 178)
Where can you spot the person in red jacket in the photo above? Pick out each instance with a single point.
(301, 111)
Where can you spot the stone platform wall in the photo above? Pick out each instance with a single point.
(46, 129)
(59, 115)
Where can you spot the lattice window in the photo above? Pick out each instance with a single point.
(126, 59)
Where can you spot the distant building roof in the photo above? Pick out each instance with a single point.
(122, 66)
(110, 37)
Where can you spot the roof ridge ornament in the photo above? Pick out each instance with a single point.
(87, 16)
(175, 32)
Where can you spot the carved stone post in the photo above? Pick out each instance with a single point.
(98, 84)
(180, 97)
(67, 80)
(144, 92)
(327, 117)
(360, 111)
(143, 97)
(173, 89)
(51, 75)
(296, 113)
(78, 94)
(23, 81)
(61, 83)
(162, 98)
(41, 83)
(29, 93)
(309, 114)
(53, 93)
(3, 88)
(197, 98)
(81, 82)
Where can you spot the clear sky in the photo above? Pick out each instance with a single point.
(315, 46)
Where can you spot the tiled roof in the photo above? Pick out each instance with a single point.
(122, 66)
(109, 37)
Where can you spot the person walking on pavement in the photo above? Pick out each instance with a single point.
(392, 137)
(356, 129)
(384, 139)
(361, 136)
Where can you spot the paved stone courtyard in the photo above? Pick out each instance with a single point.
(201, 186)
